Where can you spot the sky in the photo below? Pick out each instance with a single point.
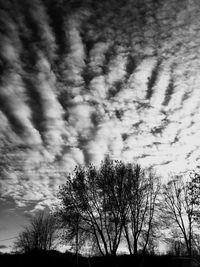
(83, 79)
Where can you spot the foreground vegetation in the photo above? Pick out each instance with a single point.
(55, 258)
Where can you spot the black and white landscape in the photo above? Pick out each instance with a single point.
(99, 82)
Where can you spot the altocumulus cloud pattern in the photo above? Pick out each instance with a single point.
(82, 79)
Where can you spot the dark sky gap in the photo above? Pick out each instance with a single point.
(87, 73)
(119, 113)
(15, 124)
(56, 14)
(124, 136)
(63, 99)
(130, 66)
(152, 80)
(108, 56)
(176, 139)
(115, 89)
(35, 27)
(185, 96)
(169, 92)
(35, 103)
(158, 130)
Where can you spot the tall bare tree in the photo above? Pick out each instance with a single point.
(117, 198)
(143, 191)
(179, 208)
(97, 197)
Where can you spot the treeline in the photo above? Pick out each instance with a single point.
(120, 205)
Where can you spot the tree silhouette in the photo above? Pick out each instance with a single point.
(95, 197)
(143, 190)
(179, 208)
(38, 235)
(99, 205)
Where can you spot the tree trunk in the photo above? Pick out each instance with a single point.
(128, 240)
(135, 246)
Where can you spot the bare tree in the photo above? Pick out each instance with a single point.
(98, 197)
(179, 208)
(142, 195)
(117, 198)
(38, 235)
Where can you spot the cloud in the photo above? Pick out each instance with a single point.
(95, 79)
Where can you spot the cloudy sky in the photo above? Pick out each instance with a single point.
(82, 79)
